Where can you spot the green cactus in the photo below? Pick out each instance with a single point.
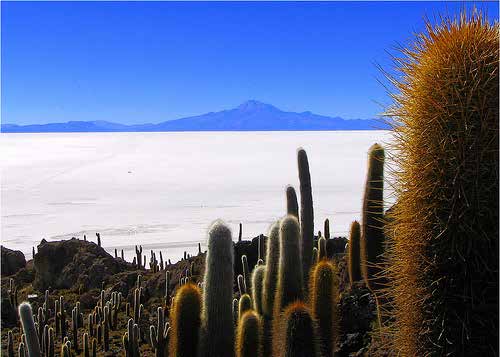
(246, 274)
(327, 229)
(322, 248)
(306, 213)
(159, 335)
(249, 336)
(323, 296)
(271, 271)
(185, 321)
(217, 332)
(292, 207)
(244, 304)
(257, 287)
(354, 253)
(290, 283)
(372, 233)
(28, 325)
(296, 333)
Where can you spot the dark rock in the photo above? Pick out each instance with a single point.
(336, 246)
(74, 264)
(12, 261)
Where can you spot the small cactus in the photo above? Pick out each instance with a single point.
(290, 283)
(292, 207)
(242, 286)
(28, 324)
(257, 287)
(324, 291)
(10, 344)
(246, 273)
(327, 229)
(271, 272)
(217, 332)
(249, 335)
(295, 334)
(244, 304)
(354, 253)
(322, 248)
(185, 321)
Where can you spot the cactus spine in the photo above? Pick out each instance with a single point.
(295, 335)
(290, 283)
(324, 292)
(257, 287)
(292, 206)
(185, 320)
(354, 253)
(28, 324)
(217, 333)
(248, 341)
(306, 213)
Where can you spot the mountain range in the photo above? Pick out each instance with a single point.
(252, 115)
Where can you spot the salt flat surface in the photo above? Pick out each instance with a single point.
(162, 190)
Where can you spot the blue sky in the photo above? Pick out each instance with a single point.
(137, 62)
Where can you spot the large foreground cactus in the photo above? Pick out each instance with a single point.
(185, 320)
(217, 332)
(445, 223)
(28, 324)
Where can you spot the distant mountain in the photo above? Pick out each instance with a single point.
(249, 116)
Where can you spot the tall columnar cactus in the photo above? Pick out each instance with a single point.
(62, 317)
(235, 311)
(372, 233)
(94, 347)
(74, 324)
(324, 293)
(10, 344)
(257, 287)
(327, 229)
(131, 339)
(292, 206)
(138, 253)
(242, 286)
(86, 350)
(296, 333)
(246, 273)
(354, 253)
(271, 271)
(290, 283)
(217, 332)
(306, 213)
(249, 336)
(240, 233)
(21, 350)
(244, 304)
(322, 248)
(444, 235)
(105, 327)
(98, 235)
(159, 335)
(28, 324)
(185, 319)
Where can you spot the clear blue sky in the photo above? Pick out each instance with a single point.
(137, 62)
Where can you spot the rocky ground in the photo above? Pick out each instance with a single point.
(78, 270)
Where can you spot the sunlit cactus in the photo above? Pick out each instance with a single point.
(249, 335)
(292, 206)
(257, 287)
(28, 325)
(185, 320)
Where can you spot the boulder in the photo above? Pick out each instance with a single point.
(74, 264)
(12, 261)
